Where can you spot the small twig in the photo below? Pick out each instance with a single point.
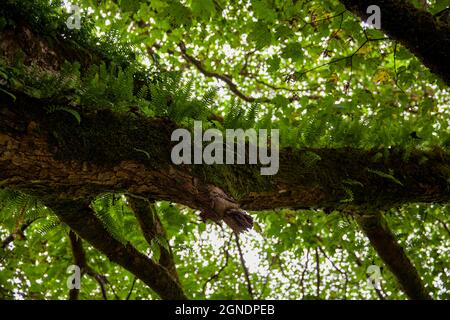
(18, 232)
(317, 274)
(444, 225)
(302, 278)
(244, 267)
(217, 274)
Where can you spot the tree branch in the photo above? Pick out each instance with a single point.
(80, 260)
(92, 230)
(19, 232)
(229, 80)
(153, 230)
(416, 29)
(83, 165)
(244, 267)
(317, 273)
(225, 264)
(382, 239)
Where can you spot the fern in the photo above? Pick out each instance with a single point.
(234, 114)
(313, 131)
(209, 97)
(74, 113)
(350, 195)
(106, 211)
(17, 208)
(385, 175)
(50, 224)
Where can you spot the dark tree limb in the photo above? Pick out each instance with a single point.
(417, 30)
(81, 219)
(81, 165)
(383, 240)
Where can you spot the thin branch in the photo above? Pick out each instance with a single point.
(227, 79)
(19, 232)
(337, 269)
(302, 278)
(224, 77)
(342, 58)
(444, 225)
(217, 274)
(317, 273)
(244, 267)
(131, 289)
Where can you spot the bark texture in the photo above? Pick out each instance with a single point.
(99, 156)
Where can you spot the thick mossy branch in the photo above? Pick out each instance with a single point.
(40, 155)
(383, 240)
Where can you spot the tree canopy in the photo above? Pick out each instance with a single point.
(91, 92)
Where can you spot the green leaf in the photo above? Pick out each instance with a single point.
(274, 64)
(260, 35)
(293, 51)
(162, 242)
(203, 8)
(385, 175)
(263, 10)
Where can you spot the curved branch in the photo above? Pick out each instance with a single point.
(227, 79)
(217, 274)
